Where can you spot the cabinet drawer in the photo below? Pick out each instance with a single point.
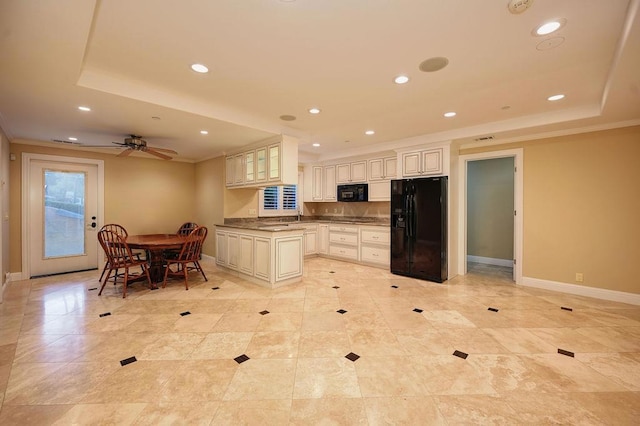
(346, 252)
(375, 236)
(340, 238)
(375, 254)
(343, 228)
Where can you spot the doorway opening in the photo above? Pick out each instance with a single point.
(490, 215)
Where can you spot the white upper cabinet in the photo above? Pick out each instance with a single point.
(316, 191)
(423, 162)
(382, 168)
(274, 161)
(330, 192)
(351, 172)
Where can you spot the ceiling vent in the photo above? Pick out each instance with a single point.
(518, 6)
(484, 138)
(63, 141)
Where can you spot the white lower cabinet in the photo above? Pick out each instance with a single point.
(221, 248)
(310, 239)
(375, 245)
(289, 258)
(233, 250)
(323, 238)
(343, 241)
(245, 258)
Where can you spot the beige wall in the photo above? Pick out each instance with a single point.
(490, 208)
(144, 195)
(581, 208)
(209, 199)
(5, 183)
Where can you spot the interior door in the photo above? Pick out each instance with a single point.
(62, 217)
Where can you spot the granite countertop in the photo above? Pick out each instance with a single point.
(277, 225)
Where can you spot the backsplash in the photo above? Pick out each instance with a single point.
(373, 209)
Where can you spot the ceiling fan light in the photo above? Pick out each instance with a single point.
(199, 68)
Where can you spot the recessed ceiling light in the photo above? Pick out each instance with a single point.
(449, 114)
(316, 145)
(549, 27)
(555, 97)
(204, 132)
(71, 138)
(287, 117)
(401, 79)
(84, 108)
(200, 68)
(370, 132)
(314, 110)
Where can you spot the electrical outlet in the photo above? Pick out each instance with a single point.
(579, 277)
(252, 212)
(313, 210)
(335, 210)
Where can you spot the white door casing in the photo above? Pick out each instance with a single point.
(518, 160)
(34, 262)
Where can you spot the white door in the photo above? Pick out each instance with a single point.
(62, 215)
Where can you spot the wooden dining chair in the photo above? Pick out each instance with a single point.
(120, 230)
(185, 229)
(189, 254)
(119, 256)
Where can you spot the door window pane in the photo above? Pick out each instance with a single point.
(64, 195)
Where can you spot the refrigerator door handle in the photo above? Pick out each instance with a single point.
(410, 215)
(407, 227)
(414, 217)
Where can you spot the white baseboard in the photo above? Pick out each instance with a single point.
(15, 276)
(580, 290)
(208, 258)
(490, 261)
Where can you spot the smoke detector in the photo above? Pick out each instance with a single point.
(518, 6)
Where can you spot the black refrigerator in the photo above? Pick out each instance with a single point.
(419, 228)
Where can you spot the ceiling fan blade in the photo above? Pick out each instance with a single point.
(170, 151)
(157, 154)
(125, 153)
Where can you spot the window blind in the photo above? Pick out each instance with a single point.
(270, 198)
(289, 201)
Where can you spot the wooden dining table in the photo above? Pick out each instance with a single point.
(154, 245)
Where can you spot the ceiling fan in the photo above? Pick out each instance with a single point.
(136, 143)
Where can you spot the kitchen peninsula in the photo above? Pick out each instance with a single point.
(270, 255)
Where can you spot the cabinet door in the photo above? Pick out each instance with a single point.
(343, 173)
(229, 170)
(323, 239)
(329, 184)
(411, 164)
(289, 255)
(310, 243)
(432, 162)
(238, 169)
(359, 171)
(249, 167)
(262, 255)
(274, 162)
(380, 190)
(232, 251)
(376, 170)
(245, 260)
(316, 184)
(261, 164)
(390, 168)
(221, 248)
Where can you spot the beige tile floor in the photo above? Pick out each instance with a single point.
(60, 359)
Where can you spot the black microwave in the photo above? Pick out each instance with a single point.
(357, 192)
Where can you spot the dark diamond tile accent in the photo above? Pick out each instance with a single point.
(352, 357)
(567, 353)
(185, 313)
(336, 287)
(394, 286)
(215, 288)
(341, 311)
(264, 312)
(93, 288)
(154, 288)
(564, 308)
(460, 354)
(332, 272)
(106, 314)
(493, 309)
(128, 361)
(240, 359)
(418, 310)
